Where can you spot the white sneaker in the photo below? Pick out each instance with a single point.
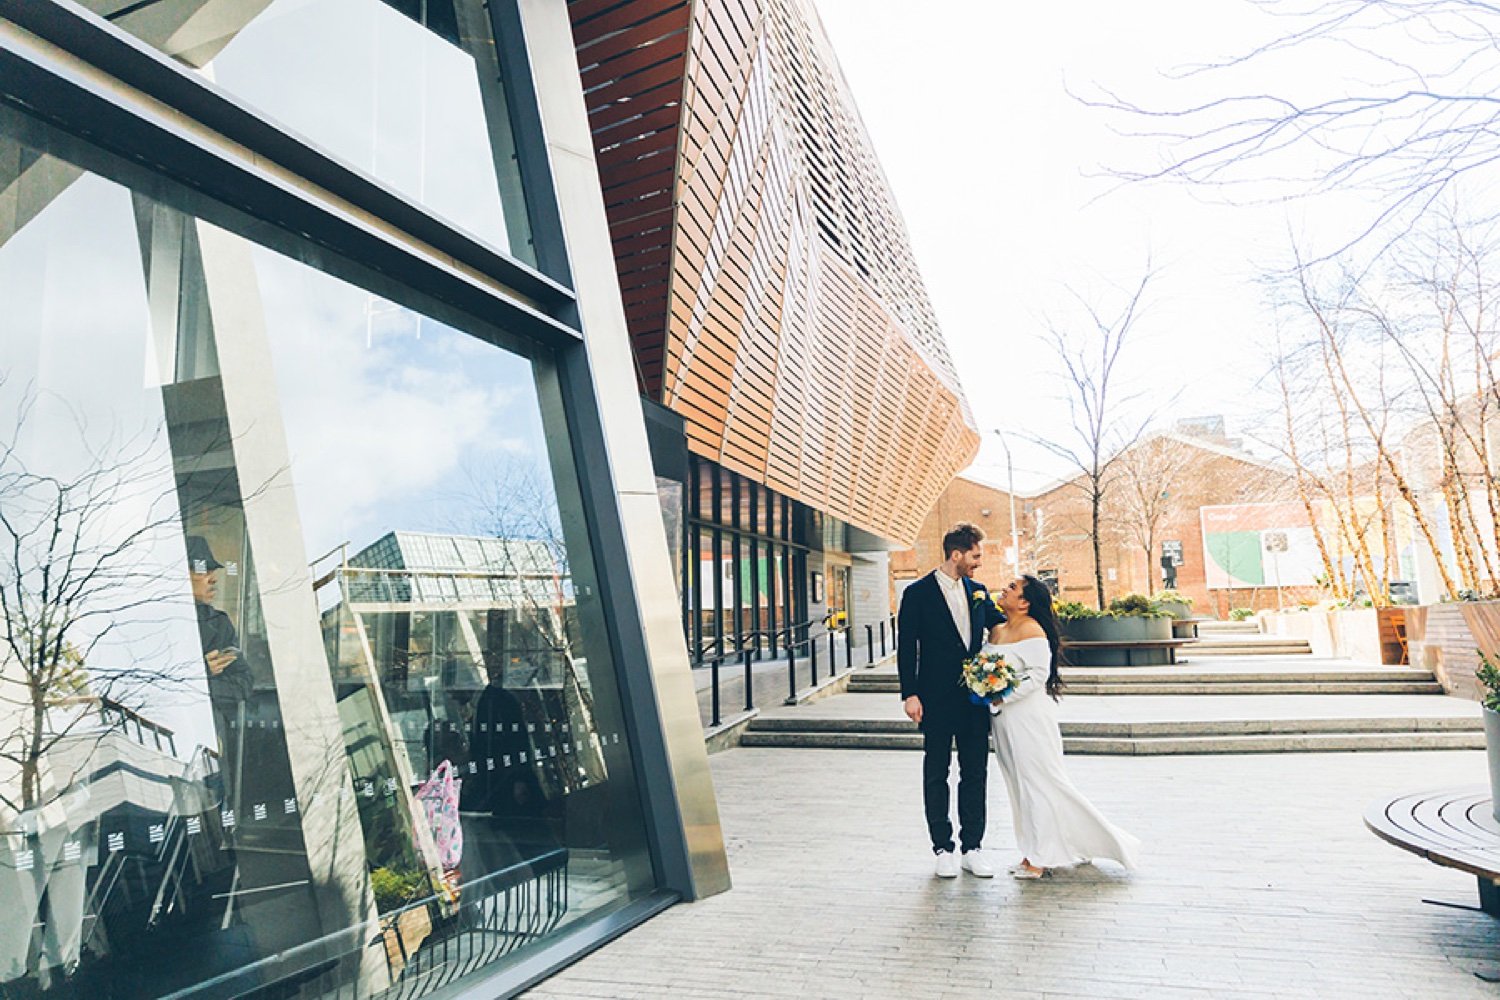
(947, 865)
(976, 864)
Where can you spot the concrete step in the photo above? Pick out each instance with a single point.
(1259, 687)
(1246, 647)
(1228, 628)
(1188, 673)
(1291, 742)
(1154, 729)
(1154, 682)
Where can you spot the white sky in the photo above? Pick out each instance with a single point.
(990, 160)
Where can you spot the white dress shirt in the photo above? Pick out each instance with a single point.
(957, 597)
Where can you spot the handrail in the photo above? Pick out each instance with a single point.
(738, 646)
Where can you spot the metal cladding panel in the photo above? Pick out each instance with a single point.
(779, 311)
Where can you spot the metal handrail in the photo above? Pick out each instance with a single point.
(749, 654)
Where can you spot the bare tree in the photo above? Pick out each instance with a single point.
(1422, 121)
(1148, 492)
(1103, 428)
(1307, 481)
(1394, 388)
(77, 565)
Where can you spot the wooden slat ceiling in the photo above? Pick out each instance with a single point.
(632, 57)
(768, 279)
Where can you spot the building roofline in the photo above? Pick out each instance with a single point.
(1223, 451)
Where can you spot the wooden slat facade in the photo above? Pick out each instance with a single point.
(769, 284)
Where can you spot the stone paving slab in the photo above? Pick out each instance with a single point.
(1170, 708)
(1258, 880)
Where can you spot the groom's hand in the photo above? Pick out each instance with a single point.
(913, 706)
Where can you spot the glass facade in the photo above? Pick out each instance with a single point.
(747, 561)
(407, 91)
(307, 687)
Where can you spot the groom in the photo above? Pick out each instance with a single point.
(943, 620)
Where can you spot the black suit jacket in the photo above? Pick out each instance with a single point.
(930, 652)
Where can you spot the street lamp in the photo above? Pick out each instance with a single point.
(1010, 488)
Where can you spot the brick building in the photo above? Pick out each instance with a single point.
(1156, 493)
(965, 499)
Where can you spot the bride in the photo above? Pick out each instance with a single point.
(1055, 825)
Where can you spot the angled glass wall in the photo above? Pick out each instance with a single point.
(407, 91)
(306, 688)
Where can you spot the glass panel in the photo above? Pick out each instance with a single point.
(741, 571)
(703, 595)
(407, 91)
(327, 696)
(708, 492)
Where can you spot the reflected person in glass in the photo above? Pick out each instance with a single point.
(229, 678)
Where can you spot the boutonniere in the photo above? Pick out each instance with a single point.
(980, 595)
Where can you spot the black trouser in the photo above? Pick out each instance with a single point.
(967, 727)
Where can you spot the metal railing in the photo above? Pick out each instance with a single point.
(747, 649)
(495, 915)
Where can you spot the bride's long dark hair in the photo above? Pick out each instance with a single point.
(1039, 601)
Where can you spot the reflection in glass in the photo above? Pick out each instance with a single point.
(408, 91)
(305, 685)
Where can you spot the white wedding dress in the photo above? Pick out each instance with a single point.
(1055, 825)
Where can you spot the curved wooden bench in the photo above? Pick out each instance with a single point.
(1453, 828)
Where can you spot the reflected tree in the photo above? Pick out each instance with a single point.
(79, 563)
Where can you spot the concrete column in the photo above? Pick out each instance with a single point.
(554, 63)
(330, 824)
(870, 589)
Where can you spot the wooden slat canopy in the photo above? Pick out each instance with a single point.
(768, 279)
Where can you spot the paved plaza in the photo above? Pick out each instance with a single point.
(1258, 880)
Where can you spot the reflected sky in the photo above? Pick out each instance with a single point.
(393, 99)
(394, 421)
(74, 337)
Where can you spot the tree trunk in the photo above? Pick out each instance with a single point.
(1098, 551)
(31, 763)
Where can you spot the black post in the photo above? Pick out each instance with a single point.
(833, 658)
(749, 682)
(791, 671)
(882, 638)
(714, 668)
(849, 647)
(812, 657)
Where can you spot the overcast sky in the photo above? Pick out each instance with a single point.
(996, 170)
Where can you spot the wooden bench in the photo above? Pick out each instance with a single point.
(1453, 828)
(1131, 646)
(1187, 628)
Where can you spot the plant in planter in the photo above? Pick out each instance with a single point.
(1132, 618)
(1069, 610)
(1135, 606)
(1174, 603)
(1240, 614)
(1489, 677)
(404, 930)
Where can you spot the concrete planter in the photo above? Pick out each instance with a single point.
(1345, 633)
(1492, 746)
(1176, 609)
(1116, 630)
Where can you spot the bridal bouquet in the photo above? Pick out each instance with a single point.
(989, 677)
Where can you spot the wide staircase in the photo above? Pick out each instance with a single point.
(1243, 639)
(1291, 703)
